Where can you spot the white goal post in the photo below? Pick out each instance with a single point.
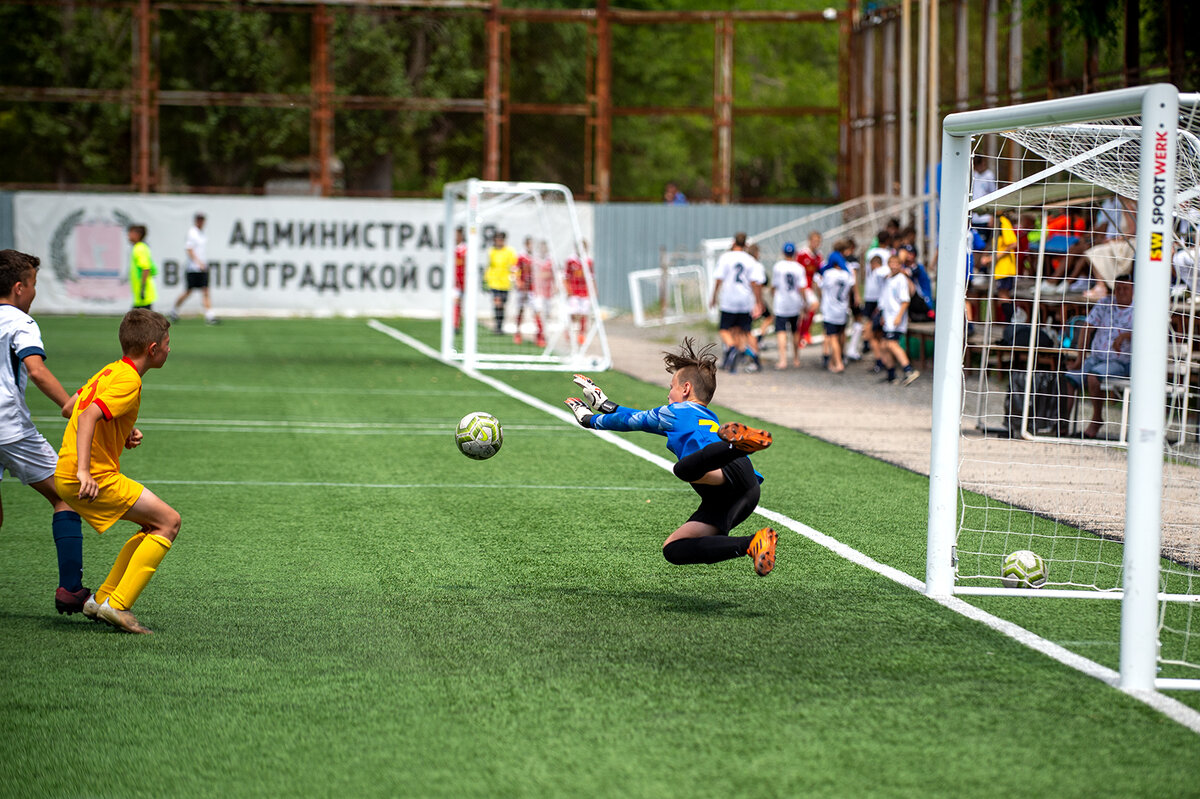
(1138, 131)
(549, 317)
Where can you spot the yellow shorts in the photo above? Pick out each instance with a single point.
(117, 495)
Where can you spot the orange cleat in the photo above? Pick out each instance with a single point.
(762, 551)
(747, 439)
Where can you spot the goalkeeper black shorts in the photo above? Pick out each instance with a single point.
(731, 503)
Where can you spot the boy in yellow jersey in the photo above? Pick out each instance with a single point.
(89, 478)
(498, 278)
(142, 269)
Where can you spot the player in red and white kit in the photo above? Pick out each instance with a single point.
(810, 258)
(578, 300)
(523, 283)
(460, 273)
(543, 287)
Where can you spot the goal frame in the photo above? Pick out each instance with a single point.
(461, 203)
(1158, 106)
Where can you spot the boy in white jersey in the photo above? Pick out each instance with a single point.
(835, 285)
(873, 283)
(893, 312)
(196, 271)
(789, 281)
(24, 452)
(737, 292)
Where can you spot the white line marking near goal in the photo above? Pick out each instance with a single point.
(484, 486)
(1173, 709)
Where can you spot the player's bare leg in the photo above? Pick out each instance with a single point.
(160, 525)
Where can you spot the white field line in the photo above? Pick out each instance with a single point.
(430, 427)
(349, 391)
(399, 486)
(1169, 707)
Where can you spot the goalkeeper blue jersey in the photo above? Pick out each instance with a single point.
(688, 426)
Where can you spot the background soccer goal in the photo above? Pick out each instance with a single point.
(559, 327)
(1018, 462)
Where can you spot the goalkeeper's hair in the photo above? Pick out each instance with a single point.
(696, 367)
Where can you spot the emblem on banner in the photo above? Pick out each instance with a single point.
(88, 255)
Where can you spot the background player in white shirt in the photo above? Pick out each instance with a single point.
(24, 452)
(836, 288)
(791, 297)
(893, 312)
(876, 276)
(196, 271)
(737, 292)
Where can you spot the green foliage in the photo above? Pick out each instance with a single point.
(49, 47)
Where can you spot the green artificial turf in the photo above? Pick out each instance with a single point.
(353, 608)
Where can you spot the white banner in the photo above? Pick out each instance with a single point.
(266, 255)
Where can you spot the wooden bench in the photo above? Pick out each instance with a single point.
(922, 334)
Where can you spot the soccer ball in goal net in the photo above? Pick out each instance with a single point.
(1065, 408)
(523, 293)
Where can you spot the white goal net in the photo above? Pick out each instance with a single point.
(523, 291)
(1068, 366)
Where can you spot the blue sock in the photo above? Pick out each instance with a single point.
(892, 373)
(68, 539)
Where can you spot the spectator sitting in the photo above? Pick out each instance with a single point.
(1109, 328)
(673, 196)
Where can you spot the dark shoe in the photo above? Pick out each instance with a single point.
(70, 601)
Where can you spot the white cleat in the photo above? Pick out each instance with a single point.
(123, 620)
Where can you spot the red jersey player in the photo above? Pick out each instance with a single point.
(578, 302)
(460, 273)
(810, 258)
(523, 283)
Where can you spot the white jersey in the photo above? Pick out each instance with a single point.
(835, 286)
(195, 242)
(738, 272)
(891, 301)
(873, 284)
(21, 337)
(1185, 269)
(790, 282)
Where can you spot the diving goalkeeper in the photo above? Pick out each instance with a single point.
(712, 458)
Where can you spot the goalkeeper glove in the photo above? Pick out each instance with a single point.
(582, 414)
(595, 396)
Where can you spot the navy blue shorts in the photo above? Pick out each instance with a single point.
(834, 330)
(785, 323)
(732, 321)
(893, 335)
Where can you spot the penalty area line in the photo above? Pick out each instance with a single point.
(1171, 708)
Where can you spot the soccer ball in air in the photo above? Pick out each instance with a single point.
(1023, 569)
(479, 436)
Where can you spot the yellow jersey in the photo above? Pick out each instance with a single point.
(501, 263)
(1006, 237)
(117, 391)
(142, 270)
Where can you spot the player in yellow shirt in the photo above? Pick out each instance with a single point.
(142, 269)
(502, 263)
(89, 479)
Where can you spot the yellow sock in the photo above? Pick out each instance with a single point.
(141, 568)
(118, 569)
